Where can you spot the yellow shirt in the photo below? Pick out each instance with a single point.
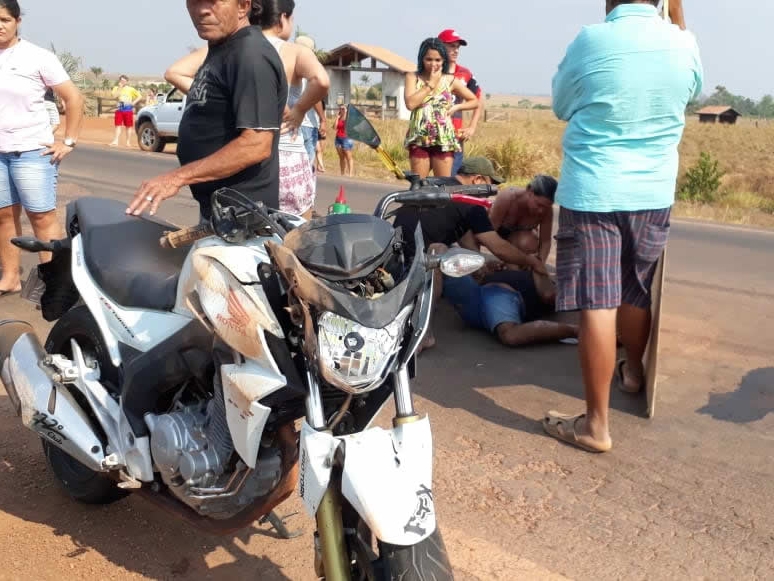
(126, 96)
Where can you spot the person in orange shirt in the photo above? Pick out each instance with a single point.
(128, 98)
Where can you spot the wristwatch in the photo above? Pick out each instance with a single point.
(69, 142)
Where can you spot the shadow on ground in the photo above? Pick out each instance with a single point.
(480, 362)
(752, 401)
(130, 534)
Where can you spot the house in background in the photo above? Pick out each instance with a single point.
(355, 57)
(719, 113)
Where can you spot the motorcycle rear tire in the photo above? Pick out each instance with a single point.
(80, 482)
(421, 562)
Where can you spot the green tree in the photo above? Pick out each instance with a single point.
(766, 107)
(701, 183)
(97, 72)
(71, 64)
(374, 93)
(693, 106)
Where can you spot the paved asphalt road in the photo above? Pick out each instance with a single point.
(686, 495)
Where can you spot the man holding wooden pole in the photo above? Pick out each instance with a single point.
(623, 88)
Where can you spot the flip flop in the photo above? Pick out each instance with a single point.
(5, 293)
(618, 379)
(562, 427)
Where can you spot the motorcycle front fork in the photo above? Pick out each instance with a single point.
(334, 560)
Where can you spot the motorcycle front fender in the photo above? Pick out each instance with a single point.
(387, 478)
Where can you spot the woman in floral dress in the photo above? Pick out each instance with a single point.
(430, 92)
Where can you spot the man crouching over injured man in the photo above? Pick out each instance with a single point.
(507, 303)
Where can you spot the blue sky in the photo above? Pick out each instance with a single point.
(514, 47)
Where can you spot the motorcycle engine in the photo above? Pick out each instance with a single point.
(194, 454)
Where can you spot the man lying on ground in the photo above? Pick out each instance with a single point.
(463, 223)
(510, 304)
(525, 216)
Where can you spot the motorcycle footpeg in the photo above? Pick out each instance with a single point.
(278, 524)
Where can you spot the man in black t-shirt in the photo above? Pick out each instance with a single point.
(229, 132)
(465, 224)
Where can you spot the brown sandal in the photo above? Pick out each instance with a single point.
(562, 427)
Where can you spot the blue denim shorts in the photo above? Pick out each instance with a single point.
(29, 179)
(483, 307)
(345, 143)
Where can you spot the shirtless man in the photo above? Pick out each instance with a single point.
(525, 217)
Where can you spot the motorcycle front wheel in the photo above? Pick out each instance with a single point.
(80, 482)
(421, 562)
(377, 561)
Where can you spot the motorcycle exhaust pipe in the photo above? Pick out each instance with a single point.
(45, 406)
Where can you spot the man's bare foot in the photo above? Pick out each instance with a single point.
(10, 288)
(600, 441)
(427, 343)
(628, 378)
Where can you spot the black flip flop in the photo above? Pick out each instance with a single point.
(5, 293)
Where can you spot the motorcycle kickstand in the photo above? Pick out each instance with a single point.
(278, 524)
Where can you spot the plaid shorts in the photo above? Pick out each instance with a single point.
(604, 259)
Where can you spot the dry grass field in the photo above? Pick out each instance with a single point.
(530, 143)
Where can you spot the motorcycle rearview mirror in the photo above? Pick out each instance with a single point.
(457, 262)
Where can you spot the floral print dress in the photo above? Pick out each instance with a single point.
(430, 124)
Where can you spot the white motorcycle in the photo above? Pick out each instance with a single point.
(180, 373)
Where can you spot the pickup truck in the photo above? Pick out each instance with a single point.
(156, 125)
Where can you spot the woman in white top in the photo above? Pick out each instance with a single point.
(297, 181)
(29, 156)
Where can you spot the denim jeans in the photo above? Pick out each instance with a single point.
(29, 179)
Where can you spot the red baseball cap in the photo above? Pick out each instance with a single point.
(450, 35)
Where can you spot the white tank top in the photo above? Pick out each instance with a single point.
(287, 142)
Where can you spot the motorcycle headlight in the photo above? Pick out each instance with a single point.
(354, 357)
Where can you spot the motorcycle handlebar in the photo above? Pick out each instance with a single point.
(477, 191)
(186, 236)
(433, 196)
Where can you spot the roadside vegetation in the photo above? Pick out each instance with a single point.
(726, 172)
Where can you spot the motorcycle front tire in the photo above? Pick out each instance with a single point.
(424, 561)
(80, 482)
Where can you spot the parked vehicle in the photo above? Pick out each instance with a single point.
(156, 125)
(179, 373)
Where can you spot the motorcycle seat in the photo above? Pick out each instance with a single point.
(123, 254)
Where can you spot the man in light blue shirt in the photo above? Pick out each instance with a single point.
(623, 88)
